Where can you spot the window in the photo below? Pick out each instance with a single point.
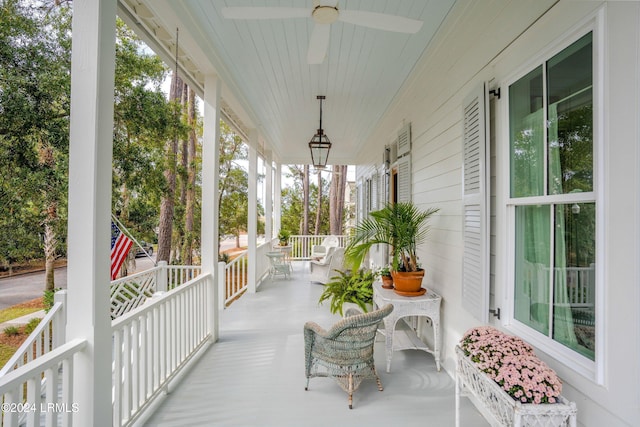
(553, 198)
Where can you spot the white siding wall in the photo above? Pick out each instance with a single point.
(488, 41)
(374, 172)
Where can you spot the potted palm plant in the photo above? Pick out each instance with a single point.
(402, 226)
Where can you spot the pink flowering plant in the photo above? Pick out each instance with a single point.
(511, 363)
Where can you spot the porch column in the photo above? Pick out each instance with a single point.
(252, 220)
(89, 216)
(210, 177)
(268, 202)
(277, 200)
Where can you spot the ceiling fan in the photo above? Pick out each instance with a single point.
(324, 14)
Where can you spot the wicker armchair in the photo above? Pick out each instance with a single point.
(322, 250)
(322, 271)
(345, 351)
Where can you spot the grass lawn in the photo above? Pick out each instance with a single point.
(9, 344)
(6, 351)
(15, 312)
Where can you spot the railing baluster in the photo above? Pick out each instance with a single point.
(33, 401)
(67, 389)
(51, 392)
(38, 376)
(142, 392)
(10, 418)
(126, 371)
(135, 365)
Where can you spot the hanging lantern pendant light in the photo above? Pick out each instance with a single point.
(320, 144)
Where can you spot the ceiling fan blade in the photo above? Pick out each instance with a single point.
(264, 12)
(380, 21)
(318, 44)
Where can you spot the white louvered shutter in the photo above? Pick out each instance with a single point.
(383, 190)
(374, 192)
(475, 277)
(404, 178)
(404, 163)
(404, 140)
(360, 205)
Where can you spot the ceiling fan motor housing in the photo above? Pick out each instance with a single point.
(325, 14)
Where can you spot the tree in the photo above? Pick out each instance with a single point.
(190, 190)
(142, 119)
(34, 127)
(318, 204)
(336, 199)
(165, 235)
(295, 203)
(34, 132)
(305, 201)
(233, 196)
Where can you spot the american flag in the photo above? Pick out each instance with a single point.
(120, 245)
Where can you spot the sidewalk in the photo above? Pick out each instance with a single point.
(22, 320)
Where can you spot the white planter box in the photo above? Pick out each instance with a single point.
(503, 408)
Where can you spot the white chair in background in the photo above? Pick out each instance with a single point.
(322, 250)
(324, 269)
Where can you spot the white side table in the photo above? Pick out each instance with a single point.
(427, 305)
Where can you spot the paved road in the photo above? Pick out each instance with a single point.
(17, 289)
(25, 287)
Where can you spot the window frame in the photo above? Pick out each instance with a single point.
(592, 369)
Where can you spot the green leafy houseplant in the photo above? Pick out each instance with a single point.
(283, 236)
(402, 226)
(385, 275)
(351, 287)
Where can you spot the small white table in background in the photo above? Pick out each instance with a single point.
(427, 305)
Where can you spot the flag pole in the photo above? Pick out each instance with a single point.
(125, 230)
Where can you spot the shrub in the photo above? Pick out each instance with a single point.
(11, 331)
(31, 325)
(48, 299)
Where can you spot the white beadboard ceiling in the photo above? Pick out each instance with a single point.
(267, 83)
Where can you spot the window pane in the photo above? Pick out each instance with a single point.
(527, 135)
(533, 254)
(570, 118)
(574, 278)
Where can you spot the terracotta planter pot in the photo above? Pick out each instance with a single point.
(387, 282)
(407, 281)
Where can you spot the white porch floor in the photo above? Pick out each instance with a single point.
(254, 375)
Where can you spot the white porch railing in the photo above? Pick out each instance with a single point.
(132, 291)
(153, 343)
(161, 321)
(262, 261)
(581, 286)
(235, 279)
(301, 245)
(22, 389)
(578, 292)
(179, 274)
(48, 335)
